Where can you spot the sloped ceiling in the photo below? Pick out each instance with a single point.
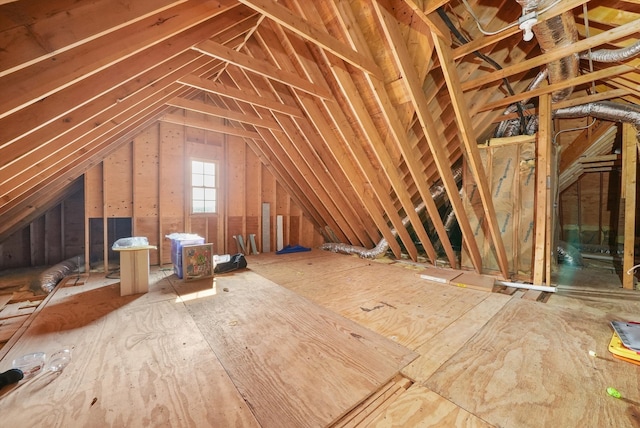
(357, 106)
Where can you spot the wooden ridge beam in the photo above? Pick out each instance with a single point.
(473, 154)
(313, 34)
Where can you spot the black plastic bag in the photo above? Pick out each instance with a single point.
(237, 261)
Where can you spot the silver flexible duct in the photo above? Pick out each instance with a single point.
(558, 31)
(437, 193)
(52, 276)
(612, 55)
(606, 110)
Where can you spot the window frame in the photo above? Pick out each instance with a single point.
(214, 187)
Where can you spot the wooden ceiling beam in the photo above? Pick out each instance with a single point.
(582, 79)
(313, 34)
(207, 125)
(20, 155)
(239, 94)
(262, 68)
(40, 80)
(474, 162)
(41, 30)
(354, 137)
(409, 152)
(72, 161)
(316, 140)
(354, 104)
(414, 87)
(554, 54)
(211, 110)
(110, 86)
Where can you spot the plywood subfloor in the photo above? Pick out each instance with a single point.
(163, 358)
(295, 363)
(136, 361)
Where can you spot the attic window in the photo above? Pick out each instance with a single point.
(203, 187)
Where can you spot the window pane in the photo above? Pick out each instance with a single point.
(209, 168)
(210, 207)
(197, 180)
(198, 194)
(209, 181)
(198, 206)
(197, 167)
(209, 194)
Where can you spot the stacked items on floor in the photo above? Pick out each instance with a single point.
(625, 342)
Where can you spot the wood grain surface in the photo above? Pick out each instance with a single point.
(136, 361)
(530, 367)
(295, 363)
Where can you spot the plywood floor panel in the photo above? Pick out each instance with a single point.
(419, 407)
(137, 361)
(294, 362)
(530, 367)
(388, 299)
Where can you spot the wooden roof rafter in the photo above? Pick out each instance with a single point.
(408, 151)
(474, 161)
(352, 102)
(316, 110)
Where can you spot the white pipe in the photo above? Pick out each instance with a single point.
(527, 286)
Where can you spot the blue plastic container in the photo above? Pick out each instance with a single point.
(178, 240)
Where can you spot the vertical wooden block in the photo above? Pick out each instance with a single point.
(134, 271)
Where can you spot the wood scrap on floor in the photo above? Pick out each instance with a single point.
(374, 405)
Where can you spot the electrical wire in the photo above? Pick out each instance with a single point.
(579, 128)
(513, 24)
(463, 40)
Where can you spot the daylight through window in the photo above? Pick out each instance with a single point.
(203, 187)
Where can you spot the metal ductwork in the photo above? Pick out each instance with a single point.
(558, 31)
(605, 110)
(612, 55)
(437, 193)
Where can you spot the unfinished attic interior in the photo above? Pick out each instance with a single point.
(436, 202)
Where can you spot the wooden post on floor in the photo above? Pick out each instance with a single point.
(629, 174)
(543, 156)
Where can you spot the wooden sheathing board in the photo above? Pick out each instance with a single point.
(507, 370)
(172, 178)
(136, 361)
(236, 180)
(512, 177)
(361, 290)
(295, 363)
(146, 189)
